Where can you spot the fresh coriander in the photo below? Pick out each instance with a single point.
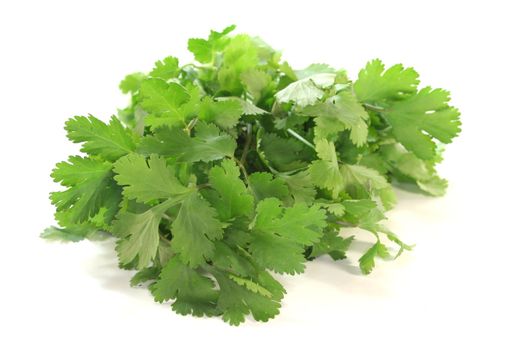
(223, 171)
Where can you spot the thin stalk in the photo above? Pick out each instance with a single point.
(165, 239)
(246, 143)
(374, 108)
(300, 138)
(245, 175)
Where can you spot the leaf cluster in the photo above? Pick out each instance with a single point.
(224, 172)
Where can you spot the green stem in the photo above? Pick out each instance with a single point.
(247, 143)
(374, 108)
(165, 239)
(190, 125)
(245, 175)
(300, 138)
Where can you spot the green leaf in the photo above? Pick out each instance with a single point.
(204, 50)
(300, 186)
(279, 234)
(236, 300)
(109, 141)
(313, 69)
(306, 91)
(131, 83)
(208, 144)
(70, 234)
(248, 108)
(88, 180)
(139, 236)
(256, 82)
(300, 223)
(294, 157)
(325, 171)
(166, 69)
(194, 230)
(230, 196)
(375, 84)
(264, 185)
(367, 261)
(338, 113)
(240, 55)
(146, 180)
(164, 101)
(193, 293)
(333, 244)
(145, 275)
(224, 113)
(421, 117)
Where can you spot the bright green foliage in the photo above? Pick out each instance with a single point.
(207, 144)
(224, 171)
(230, 195)
(110, 141)
(338, 113)
(194, 229)
(146, 180)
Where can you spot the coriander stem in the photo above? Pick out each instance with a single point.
(374, 108)
(246, 143)
(245, 174)
(345, 223)
(164, 239)
(190, 125)
(300, 138)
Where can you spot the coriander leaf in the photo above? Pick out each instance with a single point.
(139, 235)
(70, 234)
(255, 82)
(193, 292)
(230, 196)
(332, 244)
(367, 261)
(239, 55)
(300, 223)
(204, 50)
(363, 182)
(248, 108)
(235, 300)
(313, 69)
(434, 185)
(340, 112)
(163, 100)
(280, 233)
(325, 172)
(208, 144)
(87, 179)
(131, 83)
(194, 230)
(225, 113)
(109, 141)
(427, 111)
(146, 180)
(306, 91)
(294, 157)
(264, 185)
(231, 259)
(145, 275)
(375, 84)
(166, 69)
(300, 186)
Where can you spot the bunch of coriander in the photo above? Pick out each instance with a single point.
(223, 171)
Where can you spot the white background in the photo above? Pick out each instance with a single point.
(460, 288)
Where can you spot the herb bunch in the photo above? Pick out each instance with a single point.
(223, 172)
